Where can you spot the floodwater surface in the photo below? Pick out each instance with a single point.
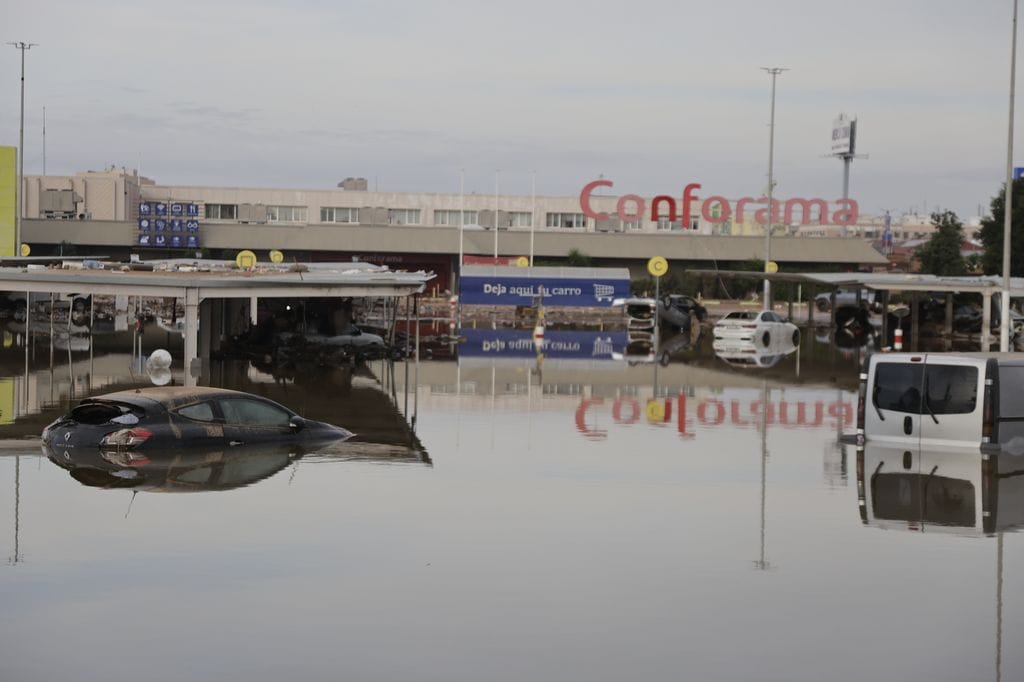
(504, 518)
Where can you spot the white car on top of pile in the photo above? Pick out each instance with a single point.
(763, 328)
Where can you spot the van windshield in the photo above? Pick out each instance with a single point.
(951, 389)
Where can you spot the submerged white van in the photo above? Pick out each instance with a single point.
(931, 400)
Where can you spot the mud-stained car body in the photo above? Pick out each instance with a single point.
(174, 417)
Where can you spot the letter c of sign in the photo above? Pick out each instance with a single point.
(585, 199)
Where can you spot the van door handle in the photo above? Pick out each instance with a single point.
(238, 442)
(908, 425)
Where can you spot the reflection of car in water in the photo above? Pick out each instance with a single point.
(957, 490)
(639, 313)
(639, 348)
(749, 354)
(764, 328)
(149, 418)
(176, 470)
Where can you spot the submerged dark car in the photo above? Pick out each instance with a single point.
(174, 416)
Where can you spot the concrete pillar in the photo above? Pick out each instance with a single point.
(948, 329)
(206, 329)
(986, 319)
(192, 369)
(810, 308)
(915, 320)
(885, 318)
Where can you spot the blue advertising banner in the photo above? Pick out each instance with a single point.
(498, 290)
(518, 343)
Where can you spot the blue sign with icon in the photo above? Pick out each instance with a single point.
(145, 224)
(1018, 172)
(145, 208)
(519, 343)
(177, 209)
(192, 225)
(143, 240)
(192, 241)
(192, 210)
(160, 208)
(176, 224)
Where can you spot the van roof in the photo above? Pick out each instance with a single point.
(1003, 358)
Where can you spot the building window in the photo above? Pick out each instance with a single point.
(339, 215)
(403, 216)
(286, 214)
(451, 218)
(221, 211)
(577, 220)
(665, 224)
(632, 225)
(520, 219)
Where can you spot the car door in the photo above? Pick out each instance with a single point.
(250, 420)
(199, 425)
(952, 402)
(893, 410)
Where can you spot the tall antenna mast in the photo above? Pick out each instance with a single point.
(44, 142)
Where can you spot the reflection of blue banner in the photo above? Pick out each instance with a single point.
(518, 343)
(484, 290)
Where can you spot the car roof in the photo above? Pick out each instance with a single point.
(169, 397)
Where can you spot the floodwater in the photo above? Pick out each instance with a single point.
(580, 517)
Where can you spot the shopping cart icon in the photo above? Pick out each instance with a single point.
(602, 347)
(604, 292)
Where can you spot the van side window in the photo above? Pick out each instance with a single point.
(898, 387)
(952, 389)
(1011, 391)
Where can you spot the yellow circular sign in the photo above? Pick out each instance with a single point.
(522, 262)
(771, 266)
(657, 266)
(245, 260)
(655, 411)
(25, 250)
(276, 256)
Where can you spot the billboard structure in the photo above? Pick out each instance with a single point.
(8, 200)
(844, 146)
(168, 225)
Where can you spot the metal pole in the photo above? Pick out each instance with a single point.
(533, 211)
(21, 149)
(496, 217)
(462, 226)
(773, 72)
(1004, 324)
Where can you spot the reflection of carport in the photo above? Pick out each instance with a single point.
(343, 280)
(887, 283)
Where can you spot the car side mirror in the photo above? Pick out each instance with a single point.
(296, 424)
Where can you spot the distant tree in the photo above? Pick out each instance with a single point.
(991, 233)
(578, 259)
(941, 255)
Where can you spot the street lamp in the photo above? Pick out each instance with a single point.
(1004, 326)
(21, 148)
(772, 71)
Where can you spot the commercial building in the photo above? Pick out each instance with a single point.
(116, 211)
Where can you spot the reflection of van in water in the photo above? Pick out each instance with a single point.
(958, 489)
(942, 399)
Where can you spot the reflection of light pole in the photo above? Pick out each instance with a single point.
(773, 72)
(999, 600)
(1004, 326)
(763, 563)
(21, 148)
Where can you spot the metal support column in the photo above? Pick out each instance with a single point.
(191, 336)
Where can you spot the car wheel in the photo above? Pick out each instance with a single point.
(766, 338)
(822, 304)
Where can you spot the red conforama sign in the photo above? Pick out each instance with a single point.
(718, 209)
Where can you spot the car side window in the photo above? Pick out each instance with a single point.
(253, 413)
(201, 412)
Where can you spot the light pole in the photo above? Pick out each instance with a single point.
(21, 149)
(496, 216)
(772, 71)
(1004, 324)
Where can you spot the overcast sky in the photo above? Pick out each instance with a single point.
(649, 94)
